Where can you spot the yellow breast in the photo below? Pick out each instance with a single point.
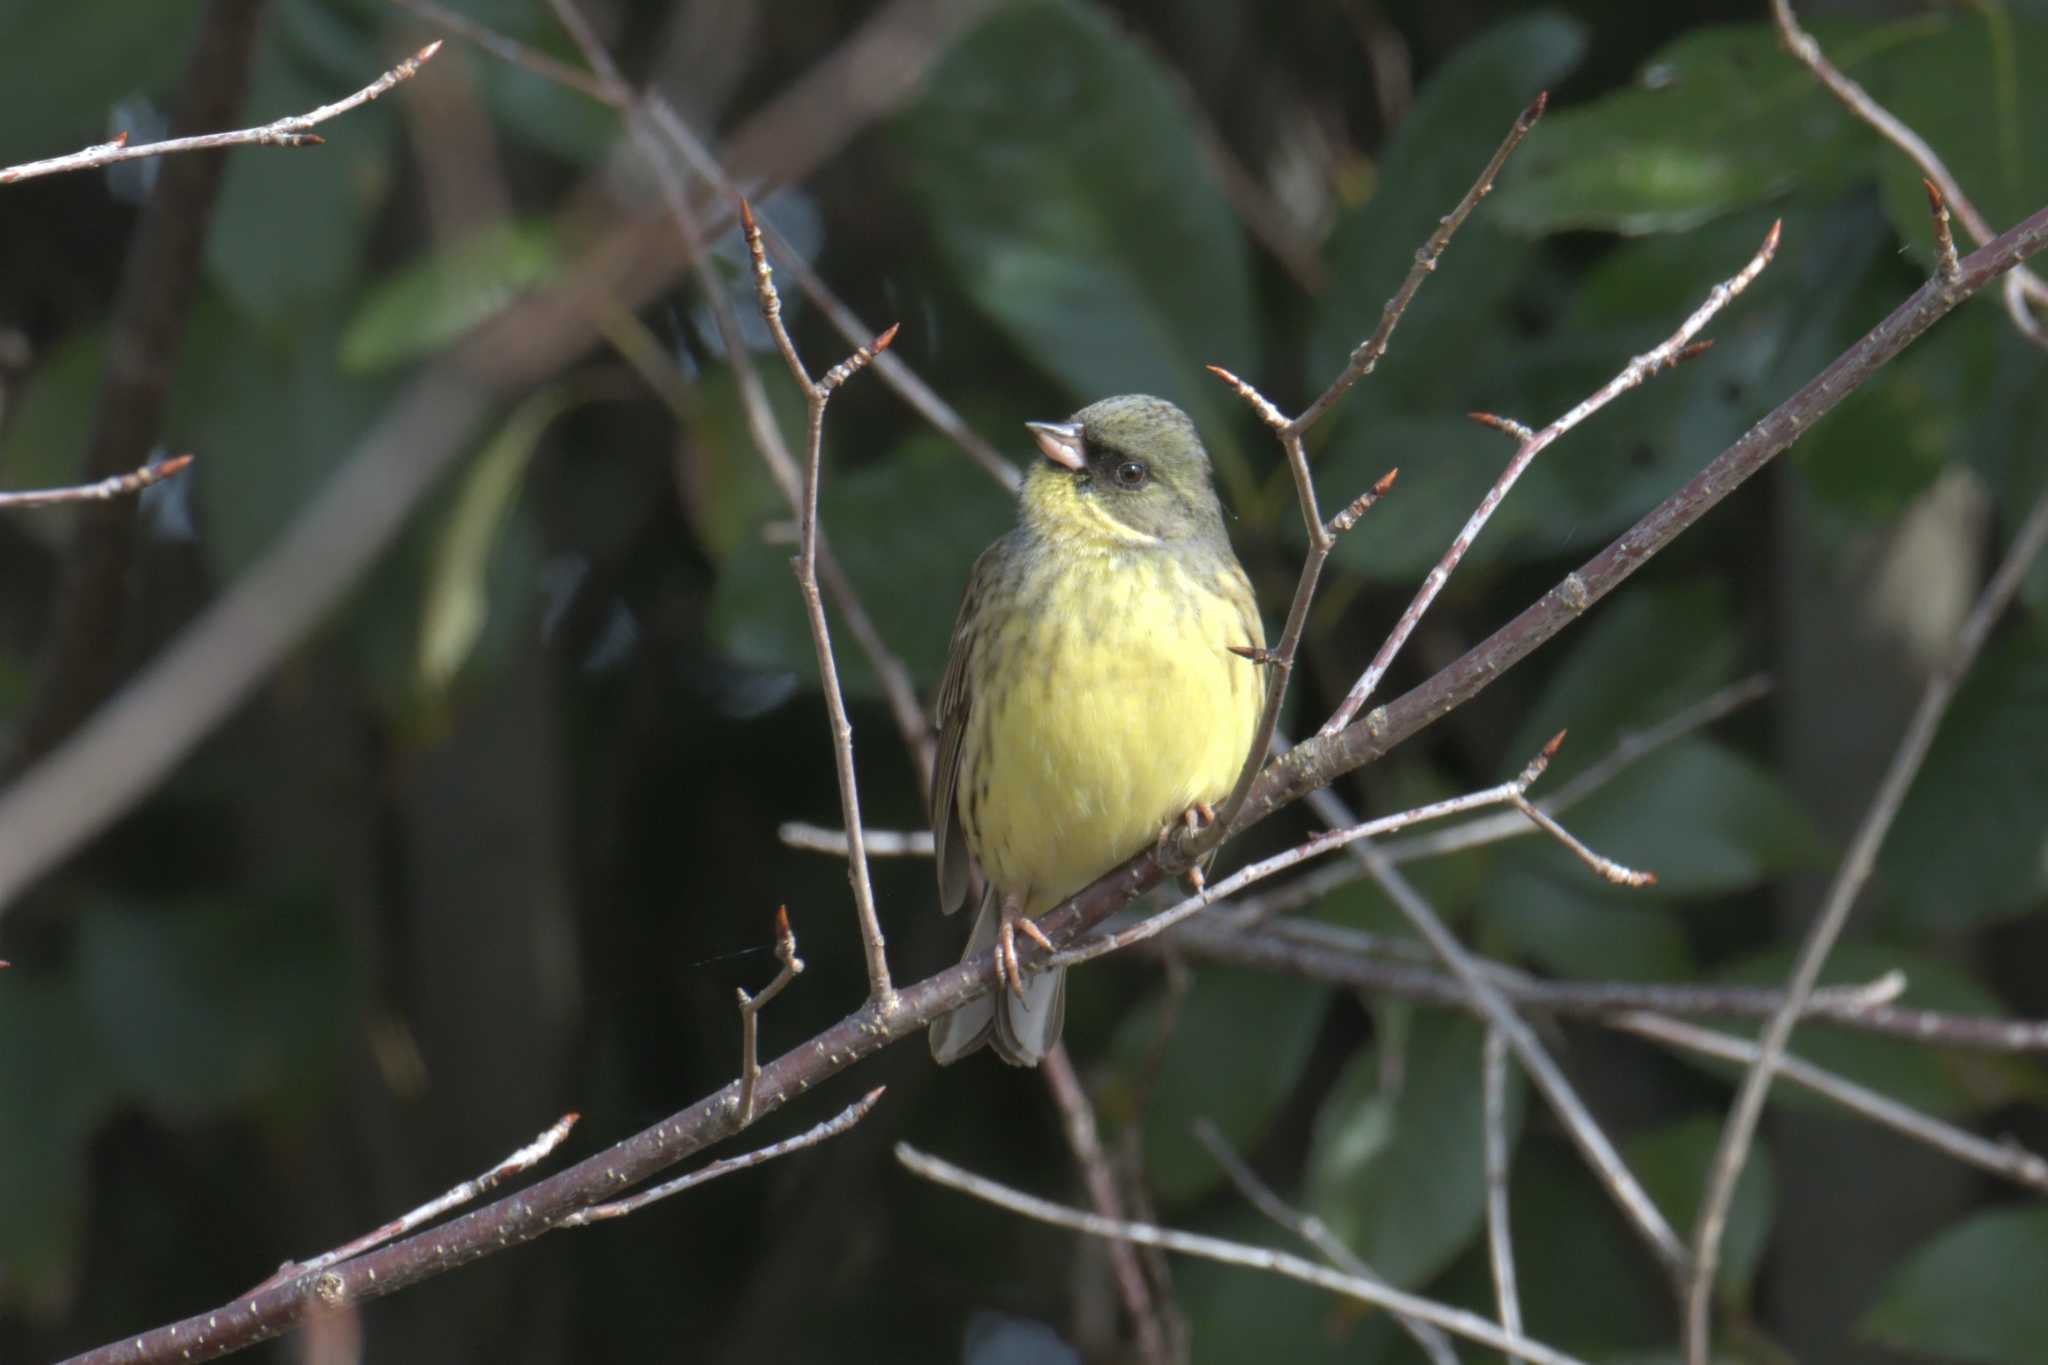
(1116, 706)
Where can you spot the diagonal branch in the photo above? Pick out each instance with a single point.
(1850, 879)
(1674, 350)
(115, 486)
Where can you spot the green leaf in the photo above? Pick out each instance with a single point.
(290, 225)
(1456, 326)
(1904, 1069)
(1588, 1284)
(1719, 120)
(105, 50)
(208, 1008)
(457, 594)
(1055, 162)
(1568, 923)
(431, 304)
(1400, 1177)
(1970, 845)
(42, 442)
(58, 1086)
(909, 581)
(1673, 1161)
(1970, 90)
(1238, 1046)
(1972, 1294)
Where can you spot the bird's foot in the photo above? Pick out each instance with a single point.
(1007, 967)
(1176, 849)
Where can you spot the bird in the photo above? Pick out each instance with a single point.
(1102, 685)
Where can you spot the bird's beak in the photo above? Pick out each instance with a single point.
(1061, 442)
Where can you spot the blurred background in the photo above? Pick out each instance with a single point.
(498, 838)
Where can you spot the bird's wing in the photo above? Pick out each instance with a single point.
(949, 841)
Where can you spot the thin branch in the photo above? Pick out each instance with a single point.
(118, 486)
(752, 1005)
(1586, 1134)
(1857, 865)
(1507, 793)
(2006, 1160)
(817, 393)
(1367, 356)
(511, 50)
(521, 1161)
(810, 1137)
(1453, 1320)
(1500, 1244)
(1322, 536)
(294, 130)
(2023, 284)
(1946, 265)
(1084, 1140)
(1317, 1234)
(1675, 348)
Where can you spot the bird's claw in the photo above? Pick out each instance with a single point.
(1007, 965)
(1175, 849)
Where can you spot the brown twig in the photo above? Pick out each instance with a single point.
(1077, 1121)
(818, 393)
(2022, 284)
(752, 1005)
(116, 486)
(1500, 1243)
(1674, 349)
(1292, 434)
(1850, 878)
(294, 130)
(521, 1161)
(1317, 1234)
(1946, 264)
(1453, 1320)
(2006, 1160)
(810, 1137)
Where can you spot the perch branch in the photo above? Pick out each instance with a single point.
(1857, 865)
(294, 130)
(1317, 1234)
(1453, 1320)
(521, 1161)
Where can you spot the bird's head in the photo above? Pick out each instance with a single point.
(1129, 470)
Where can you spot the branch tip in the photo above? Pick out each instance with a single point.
(1556, 743)
(881, 343)
(1534, 111)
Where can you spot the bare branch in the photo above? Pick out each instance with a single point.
(1946, 265)
(1453, 1320)
(521, 1161)
(1500, 1244)
(119, 486)
(810, 1137)
(816, 395)
(751, 1006)
(2006, 1160)
(1673, 351)
(1322, 536)
(1850, 878)
(2022, 285)
(511, 50)
(1077, 1121)
(1317, 1234)
(295, 130)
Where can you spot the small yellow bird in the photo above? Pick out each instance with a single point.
(1091, 697)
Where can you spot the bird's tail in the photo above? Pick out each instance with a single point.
(1022, 1029)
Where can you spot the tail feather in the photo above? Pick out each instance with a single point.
(1022, 1030)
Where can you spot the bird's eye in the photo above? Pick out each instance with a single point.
(1131, 474)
